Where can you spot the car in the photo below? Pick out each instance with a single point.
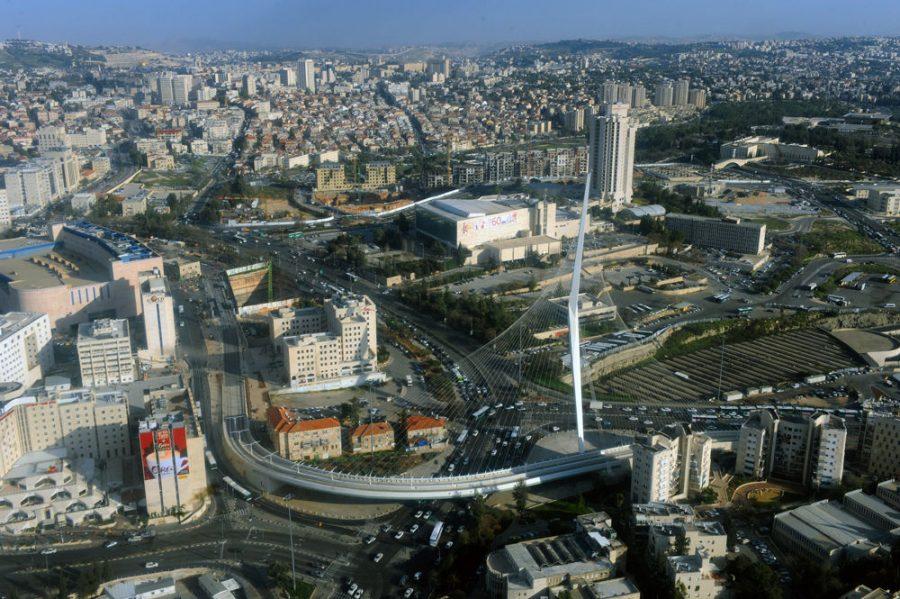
(555, 429)
(111, 544)
(48, 551)
(353, 587)
(399, 535)
(413, 528)
(358, 594)
(408, 593)
(151, 565)
(427, 514)
(448, 544)
(378, 557)
(370, 539)
(418, 514)
(417, 576)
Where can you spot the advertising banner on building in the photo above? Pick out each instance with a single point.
(164, 453)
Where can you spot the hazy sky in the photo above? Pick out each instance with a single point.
(369, 23)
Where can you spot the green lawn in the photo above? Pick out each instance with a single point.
(772, 223)
(828, 237)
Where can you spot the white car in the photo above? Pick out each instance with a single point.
(151, 565)
(377, 557)
(418, 514)
(399, 535)
(370, 539)
(408, 593)
(111, 544)
(48, 551)
(413, 528)
(448, 544)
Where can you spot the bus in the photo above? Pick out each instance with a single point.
(721, 298)
(462, 436)
(238, 489)
(211, 460)
(838, 255)
(745, 310)
(435, 537)
(479, 412)
(295, 235)
(515, 432)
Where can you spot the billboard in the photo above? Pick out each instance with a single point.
(164, 453)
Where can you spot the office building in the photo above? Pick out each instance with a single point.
(43, 180)
(832, 532)
(612, 156)
(26, 348)
(84, 272)
(729, 234)
(306, 75)
(372, 437)
(670, 466)
(663, 95)
(287, 77)
(680, 92)
(174, 90)
(770, 148)
(104, 353)
(87, 423)
(173, 464)
(547, 566)
(808, 450)
(158, 308)
(317, 439)
(343, 352)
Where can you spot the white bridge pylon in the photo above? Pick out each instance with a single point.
(574, 333)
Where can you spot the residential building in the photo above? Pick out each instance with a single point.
(664, 94)
(104, 353)
(297, 440)
(332, 177)
(612, 156)
(306, 75)
(380, 175)
(702, 578)
(879, 445)
(371, 437)
(680, 92)
(248, 85)
(424, 433)
(287, 77)
(26, 348)
(670, 466)
(5, 216)
(159, 317)
(728, 234)
(157, 588)
(804, 449)
(344, 351)
(885, 201)
(42, 180)
(172, 461)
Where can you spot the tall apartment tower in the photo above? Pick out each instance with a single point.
(104, 353)
(248, 85)
(610, 92)
(181, 89)
(164, 88)
(612, 156)
(663, 94)
(670, 466)
(807, 450)
(287, 77)
(638, 96)
(159, 317)
(306, 75)
(681, 92)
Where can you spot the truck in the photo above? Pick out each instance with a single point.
(435, 537)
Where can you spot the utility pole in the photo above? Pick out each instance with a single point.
(287, 499)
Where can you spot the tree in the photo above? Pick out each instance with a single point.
(680, 591)
(753, 579)
(520, 497)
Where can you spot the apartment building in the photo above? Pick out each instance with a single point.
(372, 437)
(670, 466)
(26, 350)
(104, 352)
(885, 201)
(805, 449)
(380, 175)
(879, 445)
(424, 433)
(303, 439)
(346, 350)
(728, 234)
(612, 137)
(42, 180)
(290, 322)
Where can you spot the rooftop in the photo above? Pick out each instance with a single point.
(828, 525)
(459, 209)
(105, 328)
(13, 322)
(282, 421)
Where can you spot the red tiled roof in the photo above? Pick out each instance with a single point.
(281, 420)
(372, 428)
(418, 423)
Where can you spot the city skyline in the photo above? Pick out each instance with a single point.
(353, 24)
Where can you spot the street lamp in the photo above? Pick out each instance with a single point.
(287, 499)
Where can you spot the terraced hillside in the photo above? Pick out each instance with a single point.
(772, 360)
